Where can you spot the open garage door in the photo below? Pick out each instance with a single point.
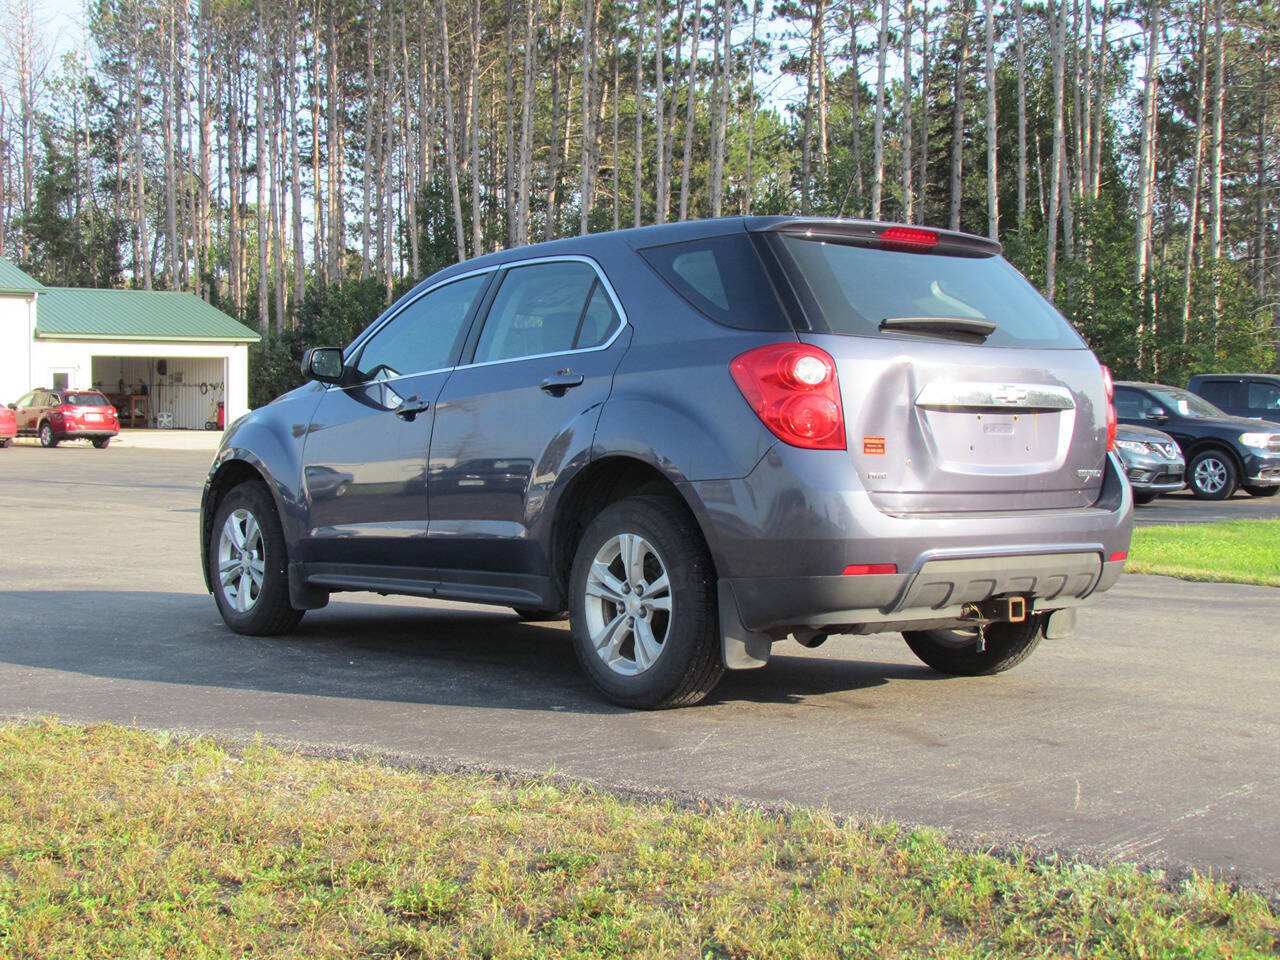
(181, 393)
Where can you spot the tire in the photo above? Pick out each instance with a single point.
(1212, 475)
(101, 442)
(681, 662)
(47, 439)
(5, 441)
(529, 615)
(956, 651)
(267, 613)
(1262, 491)
(1142, 499)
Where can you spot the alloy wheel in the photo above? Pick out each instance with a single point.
(1211, 475)
(241, 560)
(628, 604)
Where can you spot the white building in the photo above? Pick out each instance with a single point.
(184, 355)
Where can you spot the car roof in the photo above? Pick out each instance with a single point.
(1143, 385)
(1257, 376)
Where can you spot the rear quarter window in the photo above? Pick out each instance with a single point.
(723, 278)
(850, 289)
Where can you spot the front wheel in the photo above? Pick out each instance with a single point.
(1262, 491)
(1212, 475)
(47, 439)
(249, 566)
(643, 605)
(1142, 499)
(956, 651)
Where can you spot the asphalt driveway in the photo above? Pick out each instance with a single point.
(1151, 736)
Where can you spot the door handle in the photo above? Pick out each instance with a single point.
(561, 381)
(410, 409)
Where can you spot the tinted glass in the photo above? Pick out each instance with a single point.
(1224, 393)
(855, 288)
(1132, 404)
(1184, 403)
(85, 399)
(598, 321)
(724, 278)
(1263, 396)
(425, 335)
(537, 310)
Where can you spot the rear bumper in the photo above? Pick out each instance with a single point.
(88, 433)
(782, 536)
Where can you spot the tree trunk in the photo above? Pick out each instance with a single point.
(1022, 115)
(473, 85)
(1215, 143)
(877, 176)
(1100, 87)
(908, 200)
(260, 172)
(590, 81)
(750, 190)
(690, 83)
(922, 212)
(450, 140)
(957, 122)
(637, 186)
(509, 170)
(1193, 204)
(526, 121)
(1146, 148)
(659, 93)
(993, 195)
(1053, 191)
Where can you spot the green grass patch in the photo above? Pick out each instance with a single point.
(117, 843)
(1233, 551)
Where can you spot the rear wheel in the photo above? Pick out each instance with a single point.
(248, 564)
(5, 441)
(1262, 491)
(956, 651)
(47, 439)
(101, 442)
(643, 605)
(1211, 475)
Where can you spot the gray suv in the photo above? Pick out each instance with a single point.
(695, 439)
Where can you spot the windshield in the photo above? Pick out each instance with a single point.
(85, 400)
(856, 288)
(1186, 404)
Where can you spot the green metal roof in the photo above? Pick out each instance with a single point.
(81, 313)
(13, 280)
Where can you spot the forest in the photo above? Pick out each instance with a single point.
(300, 163)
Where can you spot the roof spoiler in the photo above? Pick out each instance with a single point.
(894, 236)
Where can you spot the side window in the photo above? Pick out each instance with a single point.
(24, 401)
(1222, 393)
(425, 335)
(1263, 396)
(1129, 404)
(544, 308)
(723, 278)
(599, 319)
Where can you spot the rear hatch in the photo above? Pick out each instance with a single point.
(963, 389)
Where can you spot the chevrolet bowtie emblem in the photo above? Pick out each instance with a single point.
(1009, 394)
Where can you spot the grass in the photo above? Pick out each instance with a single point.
(1233, 551)
(117, 843)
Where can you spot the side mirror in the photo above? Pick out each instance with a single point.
(1158, 414)
(323, 364)
(13, 406)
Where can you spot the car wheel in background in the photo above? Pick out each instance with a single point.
(643, 605)
(956, 651)
(5, 441)
(248, 564)
(47, 439)
(1142, 499)
(101, 442)
(1211, 475)
(1262, 491)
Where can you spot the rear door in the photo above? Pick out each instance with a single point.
(520, 412)
(1226, 393)
(1263, 400)
(963, 389)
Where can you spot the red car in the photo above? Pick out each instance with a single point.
(57, 415)
(8, 426)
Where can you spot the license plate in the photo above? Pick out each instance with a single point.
(93, 416)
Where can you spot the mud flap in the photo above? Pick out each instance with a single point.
(740, 648)
(1061, 624)
(303, 596)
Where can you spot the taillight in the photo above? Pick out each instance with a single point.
(909, 239)
(792, 387)
(1108, 387)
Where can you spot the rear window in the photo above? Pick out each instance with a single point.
(854, 288)
(85, 400)
(724, 278)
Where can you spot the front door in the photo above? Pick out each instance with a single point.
(364, 469)
(525, 408)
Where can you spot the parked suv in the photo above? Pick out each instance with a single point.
(1252, 395)
(1223, 452)
(1152, 461)
(697, 439)
(57, 415)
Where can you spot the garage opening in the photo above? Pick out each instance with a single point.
(178, 393)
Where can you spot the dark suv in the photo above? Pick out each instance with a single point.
(1223, 452)
(696, 439)
(1252, 395)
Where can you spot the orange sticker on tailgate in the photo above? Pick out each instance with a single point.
(873, 445)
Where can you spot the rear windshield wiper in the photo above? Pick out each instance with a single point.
(961, 328)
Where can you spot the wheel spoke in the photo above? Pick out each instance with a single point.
(601, 583)
(609, 640)
(659, 603)
(632, 557)
(242, 592)
(647, 647)
(257, 570)
(228, 570)
(658, 587)
(234, 532)
(252, 535)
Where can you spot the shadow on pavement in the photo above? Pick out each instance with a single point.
(362, 651)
